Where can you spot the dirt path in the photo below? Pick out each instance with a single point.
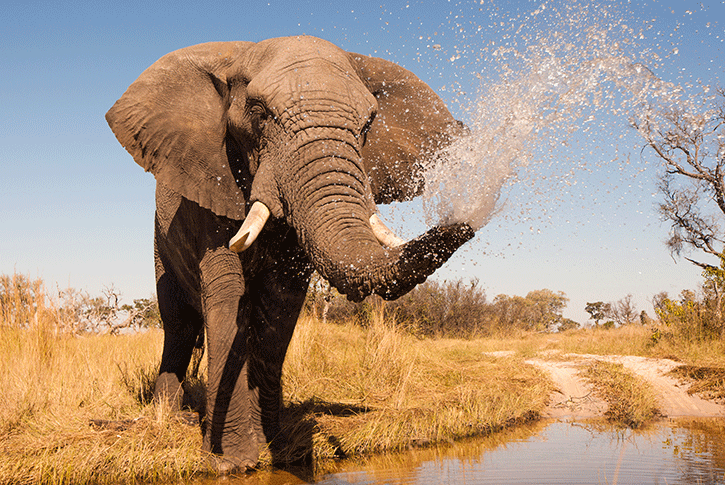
(574, 396)
(575, 399)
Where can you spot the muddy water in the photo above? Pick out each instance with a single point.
(667, 452)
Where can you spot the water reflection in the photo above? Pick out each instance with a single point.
(667, 452)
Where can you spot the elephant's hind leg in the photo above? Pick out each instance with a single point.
(182, 327)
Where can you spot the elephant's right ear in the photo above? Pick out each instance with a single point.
(411, 124)
(172, 120)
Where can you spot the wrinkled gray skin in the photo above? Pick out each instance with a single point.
(319, 136)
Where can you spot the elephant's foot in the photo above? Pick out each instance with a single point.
(230, 458)
(168, 391)
(227, 465)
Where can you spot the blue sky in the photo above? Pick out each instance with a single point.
(77, 211)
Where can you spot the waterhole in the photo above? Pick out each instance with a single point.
(682, 451)
(668, 452)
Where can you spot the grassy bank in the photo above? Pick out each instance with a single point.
(631, 400)
(396, 390)
(74, 408)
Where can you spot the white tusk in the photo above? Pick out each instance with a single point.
(385, 236)
(252, 226)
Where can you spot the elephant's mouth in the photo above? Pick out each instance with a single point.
(392, 270)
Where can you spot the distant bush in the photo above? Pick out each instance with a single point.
(693, 317)
(447, 309)
(696, 316)
(451, 309)
(539, 310)
(26, 303)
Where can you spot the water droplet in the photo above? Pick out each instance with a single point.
(563, 81)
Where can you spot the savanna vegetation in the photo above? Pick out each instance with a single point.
(77, 376)
(455, 309)
(77, 404)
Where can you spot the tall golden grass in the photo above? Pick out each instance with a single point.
(75, 407)
(382, 389)
(55, 388)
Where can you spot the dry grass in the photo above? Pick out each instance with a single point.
(628, 340)
(56, 384)
(710, 353)
(76, 409)
(385, 390)
(55, 387)
(708, 382)
(632, 401)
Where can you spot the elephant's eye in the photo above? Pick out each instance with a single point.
(366, 128)
(258, 116)
(258, 112)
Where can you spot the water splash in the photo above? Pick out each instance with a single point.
(552, 88)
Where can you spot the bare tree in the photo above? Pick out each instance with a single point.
(624, 311)
(691, 144)
(105, 313)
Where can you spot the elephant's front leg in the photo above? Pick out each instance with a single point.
(277, 295)
(229, 432)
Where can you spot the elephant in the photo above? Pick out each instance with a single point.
(270, 159)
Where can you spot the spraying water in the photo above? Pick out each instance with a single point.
(554, 84)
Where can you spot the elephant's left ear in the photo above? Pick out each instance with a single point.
(412, 123)
(172, 120)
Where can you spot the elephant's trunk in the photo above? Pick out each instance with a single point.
(331, 207)
(359, 270)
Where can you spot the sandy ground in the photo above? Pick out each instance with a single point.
(574, 397)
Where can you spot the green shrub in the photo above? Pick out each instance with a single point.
(694, 317)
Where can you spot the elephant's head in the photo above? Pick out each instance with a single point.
(297, 129)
